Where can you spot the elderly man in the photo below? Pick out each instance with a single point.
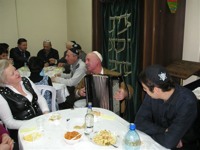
(63, 62)
(78, 70)
(94, 66)
(19, 54)
(77, 67)
(168, 111)
(49, 55)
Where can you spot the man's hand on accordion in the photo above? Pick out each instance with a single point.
(121, 94)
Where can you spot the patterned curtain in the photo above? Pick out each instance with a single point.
(120, 45)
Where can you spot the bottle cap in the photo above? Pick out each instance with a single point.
(89, 104)
(132, 126)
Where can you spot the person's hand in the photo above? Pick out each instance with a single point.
(81, 92)
(52, 61)
(46, 64)
(45, 112)
(5, 147)
(61, 64)
(120, 94)
(58, 75)
(6, 139)
(180, 144)
(53, 79)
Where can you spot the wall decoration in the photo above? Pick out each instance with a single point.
(172, 4)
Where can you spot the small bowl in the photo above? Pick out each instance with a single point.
(73, 137)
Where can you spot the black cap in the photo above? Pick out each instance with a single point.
(77, 46)
(157, 74)
(75, 50)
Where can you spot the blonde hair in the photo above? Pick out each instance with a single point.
(69, 44)
(3, 65)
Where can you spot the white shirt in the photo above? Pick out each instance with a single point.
(79, 71)
(6, 114)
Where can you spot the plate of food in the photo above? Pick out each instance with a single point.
(104, 138)
(55, 116)
(32, 136)
(76, 124)
(72, 137)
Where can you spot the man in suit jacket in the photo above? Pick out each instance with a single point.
(93, 64)
(48, 54)
(19, 54)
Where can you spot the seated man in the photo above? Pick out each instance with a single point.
(78, 70)
(4, 48)
(19, 54)
(63, 62)
(168, 111)
(49, 55)
(93, 64)
(3, 52)
(77, 67)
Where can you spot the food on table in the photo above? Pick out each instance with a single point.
(54, 117)
(79, 127)
(96, 113)
(104, 138)
(71, 135)
(32, 136)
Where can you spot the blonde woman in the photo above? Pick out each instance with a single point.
(19, 99)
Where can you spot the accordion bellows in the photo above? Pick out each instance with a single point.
(100, 90)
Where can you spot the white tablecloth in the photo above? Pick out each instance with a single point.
(53, 136)
(197, 92)
(61, 92)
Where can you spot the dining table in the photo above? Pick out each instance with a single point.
(53, 131)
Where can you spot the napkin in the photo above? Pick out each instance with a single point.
(107, 117)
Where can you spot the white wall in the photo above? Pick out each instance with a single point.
(79, 21)
(8, 25)
(191, 47)
(38, 20)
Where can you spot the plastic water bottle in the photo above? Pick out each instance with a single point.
(132, 139)
(89, 120)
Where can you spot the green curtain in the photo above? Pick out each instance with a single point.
(120, 45)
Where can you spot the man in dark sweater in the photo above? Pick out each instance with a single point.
(49, 55)
(169, 111)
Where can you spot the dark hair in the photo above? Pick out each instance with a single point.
(20, 40)
(4, 45)
(167, 86)
(3, 50)
(35, 64)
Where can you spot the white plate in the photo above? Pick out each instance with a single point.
(32, 136)
(112, 134)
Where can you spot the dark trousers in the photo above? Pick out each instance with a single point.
(14, 135)
(69, 103)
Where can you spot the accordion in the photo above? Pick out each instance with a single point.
(100, 90)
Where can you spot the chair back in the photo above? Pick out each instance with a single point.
(43, 89)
